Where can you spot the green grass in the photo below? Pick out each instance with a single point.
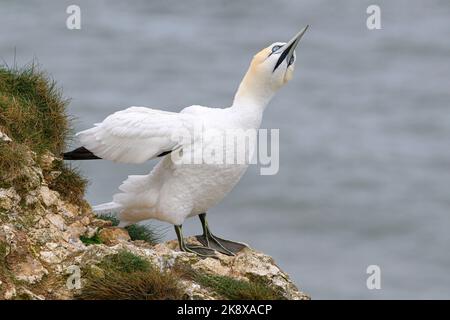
(92, 240)
(12, 159)
(125, 261)
(126, 276)
(130, 277)
(33, 114)
(144, 232)
(70, 184)
(33, 111)
(234, 289)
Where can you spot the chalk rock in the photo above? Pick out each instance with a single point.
(49, 197)
(40, 246)
(113, 235)
(4, 137)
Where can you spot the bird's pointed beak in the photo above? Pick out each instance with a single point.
(288, 49)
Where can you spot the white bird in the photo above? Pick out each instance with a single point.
(174, 191)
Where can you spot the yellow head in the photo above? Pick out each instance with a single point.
(269, 70)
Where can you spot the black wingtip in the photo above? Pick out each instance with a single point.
(80, 153)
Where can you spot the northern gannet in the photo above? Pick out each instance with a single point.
(174, 191)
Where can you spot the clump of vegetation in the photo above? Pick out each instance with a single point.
(134, 286)
(143, 232)
(231, 288)
(95, 239)
(125, 261)
(126, 276)
(70, 184)
(33, 115)
(33, 111)
(235, 289)
(130, 277)
(11, 157)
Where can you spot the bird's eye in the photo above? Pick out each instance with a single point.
(291, 60)
(275, 48)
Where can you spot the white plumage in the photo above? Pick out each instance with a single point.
(135, 135)
(172, 191)
(175, 190)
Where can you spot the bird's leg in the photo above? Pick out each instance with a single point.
(211, 241)
(199, 250)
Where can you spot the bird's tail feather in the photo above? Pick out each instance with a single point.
(111, 209)
(107, 207)
(80, 153)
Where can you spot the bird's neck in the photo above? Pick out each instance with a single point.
(252, 97)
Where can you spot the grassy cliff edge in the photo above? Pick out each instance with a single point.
(33, 115)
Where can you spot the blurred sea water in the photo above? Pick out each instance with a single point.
(364, 125)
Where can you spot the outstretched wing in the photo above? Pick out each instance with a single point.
(136, 134)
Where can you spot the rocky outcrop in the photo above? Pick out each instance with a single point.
(42, 256)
